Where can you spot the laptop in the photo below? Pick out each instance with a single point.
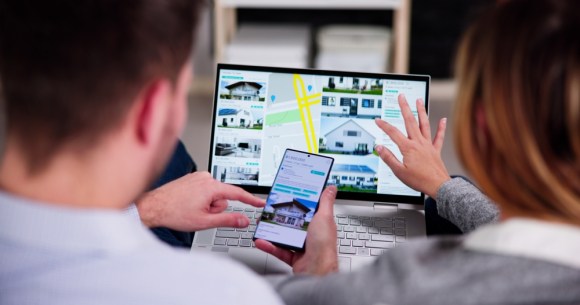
(259, 112)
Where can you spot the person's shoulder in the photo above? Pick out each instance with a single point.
(209, 279)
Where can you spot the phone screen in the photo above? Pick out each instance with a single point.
(293, 199)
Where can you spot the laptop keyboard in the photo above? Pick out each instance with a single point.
(357, 235)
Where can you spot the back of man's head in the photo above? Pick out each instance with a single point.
(70, 70)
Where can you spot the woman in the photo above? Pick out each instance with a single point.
(518, 135)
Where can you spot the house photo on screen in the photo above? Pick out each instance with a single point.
(288, 211)
(238, 147)
(347, 136)
(235, 117)
(242, 91)
(236, 174)
(352, 97)
(354, 178)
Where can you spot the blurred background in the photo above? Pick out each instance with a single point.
(400, 36)
(397, 36)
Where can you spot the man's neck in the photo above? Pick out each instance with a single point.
(68, 180)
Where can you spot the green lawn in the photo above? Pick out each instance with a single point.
(350, 188)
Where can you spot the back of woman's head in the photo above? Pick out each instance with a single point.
(518, 111)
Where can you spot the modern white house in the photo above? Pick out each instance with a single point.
(290, 214)
(245, 91)
(353, 175)
(351, 106)
(349, 138)
(230, 117)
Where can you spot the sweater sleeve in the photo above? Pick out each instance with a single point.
(465, 205)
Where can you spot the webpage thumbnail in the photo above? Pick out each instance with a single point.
(241, 90)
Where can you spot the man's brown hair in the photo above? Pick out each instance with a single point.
(70, 69)
(518, 70)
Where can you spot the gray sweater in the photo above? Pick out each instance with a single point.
(497, 264)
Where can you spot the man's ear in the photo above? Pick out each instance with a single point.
(151, 111)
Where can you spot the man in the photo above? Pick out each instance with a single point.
(95, 97)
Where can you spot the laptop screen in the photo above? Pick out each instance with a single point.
(261, 111)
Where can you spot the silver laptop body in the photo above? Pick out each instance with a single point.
(260, 111)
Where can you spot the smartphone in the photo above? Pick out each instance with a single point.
(294, 199)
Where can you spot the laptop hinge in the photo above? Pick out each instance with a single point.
(385, 206)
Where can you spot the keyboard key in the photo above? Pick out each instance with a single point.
(245, 243)
(238, 209)
(386, 231)
(364, 236)
(257, 215)
(400, 239)
(376, 252)
(250, 210)
(377, 237)
(355, 222)
(363, 251)
(373, 230)
(345, 242)
(250, 215)
(253, 221)
(228, 209)
(358, 243)
(348, 229)
(341, 216)
(343, 221)
(361, 229)
(225, 229)
(227, 234)
(367, 223)
(363, 217)
(251, 228)
(341, 235)
(351, 235)
(379, 244)
(232, 242)
(400, 232)
(347, 250)
(219, 241)
(399, 224)
(247, 235)
(352, 216)
(242, 229)
(383, 224)
(338, 228)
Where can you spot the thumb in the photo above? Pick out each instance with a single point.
(327, 199)
(235, 220)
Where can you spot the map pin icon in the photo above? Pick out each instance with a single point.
(309, 87)
(273, 98)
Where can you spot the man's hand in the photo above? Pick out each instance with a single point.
(194, 202)
(422, 167)
(320, 257)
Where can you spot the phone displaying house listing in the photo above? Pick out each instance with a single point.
(294, 199)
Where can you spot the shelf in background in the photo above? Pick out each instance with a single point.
(314, 4)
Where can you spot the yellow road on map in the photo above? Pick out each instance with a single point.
(304, 102)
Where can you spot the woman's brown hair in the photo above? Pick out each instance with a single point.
(518, 110)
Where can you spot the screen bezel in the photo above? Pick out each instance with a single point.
(257, 189)
(290, 247)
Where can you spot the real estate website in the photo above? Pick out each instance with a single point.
(294, 198)
(260, 114)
